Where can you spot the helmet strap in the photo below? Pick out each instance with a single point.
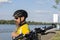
(21, 22)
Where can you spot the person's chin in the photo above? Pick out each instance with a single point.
(16, 23)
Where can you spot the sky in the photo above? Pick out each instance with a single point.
(38, 10)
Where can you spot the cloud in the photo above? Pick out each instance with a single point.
(2, 1)
(59, 13)
(46, 12)
(43, 11)
(40, 2)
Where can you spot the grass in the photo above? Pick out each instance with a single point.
(57, 36)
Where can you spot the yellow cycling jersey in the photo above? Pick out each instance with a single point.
(24, 29)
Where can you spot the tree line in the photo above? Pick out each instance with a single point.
(7, 22)
(29, 22)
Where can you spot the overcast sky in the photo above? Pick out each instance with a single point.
(38, 10)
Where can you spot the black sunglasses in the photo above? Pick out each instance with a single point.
(16, 17)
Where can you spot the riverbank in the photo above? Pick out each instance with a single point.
(57, 36)
(51, 35)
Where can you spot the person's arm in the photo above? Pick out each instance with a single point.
(14, 34)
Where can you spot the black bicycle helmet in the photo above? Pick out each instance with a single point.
(20, 13)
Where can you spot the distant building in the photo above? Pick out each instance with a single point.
(55, 20)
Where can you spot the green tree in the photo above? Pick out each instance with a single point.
(57, 3)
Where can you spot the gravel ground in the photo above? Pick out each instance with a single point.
(49, 34)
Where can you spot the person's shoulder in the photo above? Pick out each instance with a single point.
(25, 24)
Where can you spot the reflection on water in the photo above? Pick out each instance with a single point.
(5, 36)
(5, 31)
